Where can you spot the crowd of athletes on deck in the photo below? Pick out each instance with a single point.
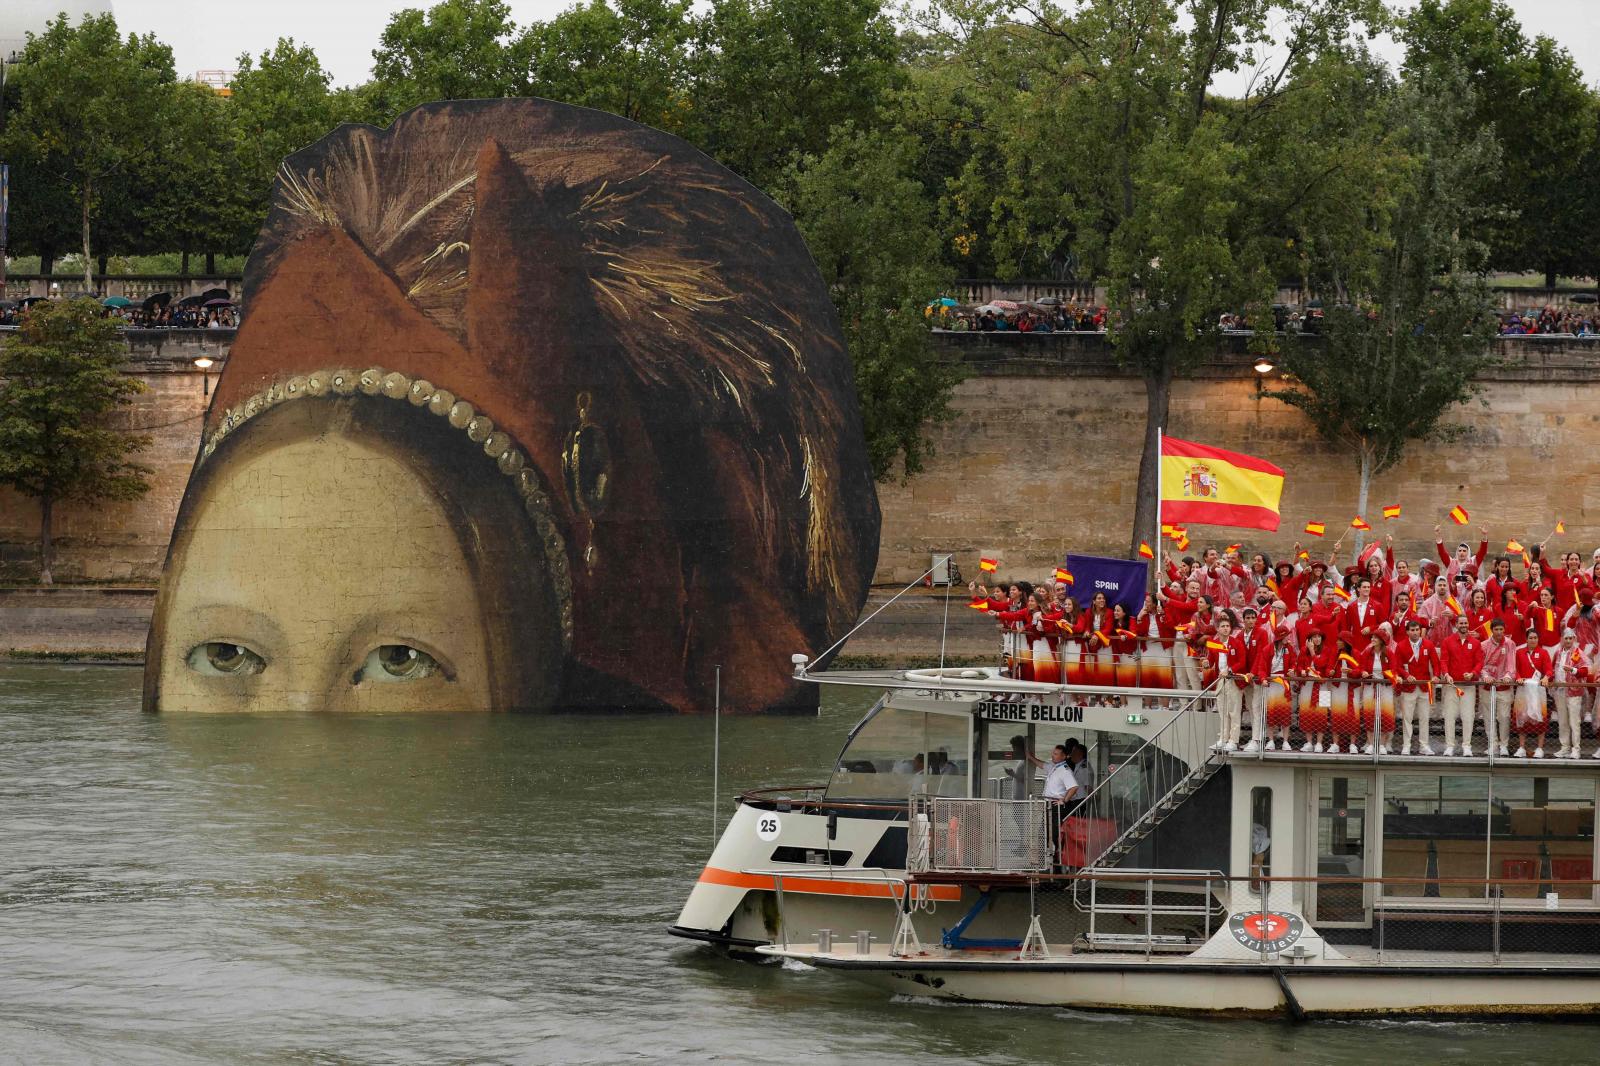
(1360, 659)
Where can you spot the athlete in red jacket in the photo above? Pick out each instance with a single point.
(1416, 662)
(1460, 666)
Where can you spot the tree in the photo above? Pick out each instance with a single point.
(59, 383)
(868, 223)
(1531, 95)
(1109, 141)
(774, 78)
(91, 105)
(456, 50)
(630, 58)
(1387, 374)
(280, 104)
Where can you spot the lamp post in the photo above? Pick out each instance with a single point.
(205, 363)
(1263, 367)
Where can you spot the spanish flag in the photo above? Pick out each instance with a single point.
(1391, 511)
(1359, 523)
(979, 604)
(1515, 547)
(1065, 575)
(1458, 515)
(1216, 645)
(1144, 550)
(1212, 487)
(1346, 657)
(1454, 604)
(1183, 542)
(988, 566)
(1561, 527)
(1339, 592)
(1316, 529)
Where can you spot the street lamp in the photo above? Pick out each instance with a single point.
(1263, 365)
(205, 363)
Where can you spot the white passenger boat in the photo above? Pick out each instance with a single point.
(1190, 879)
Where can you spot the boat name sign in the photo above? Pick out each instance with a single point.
(1003, 711)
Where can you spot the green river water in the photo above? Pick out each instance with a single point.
(316, 889)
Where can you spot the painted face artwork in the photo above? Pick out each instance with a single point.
(532, 408)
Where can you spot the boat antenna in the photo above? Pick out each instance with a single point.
(944, 632)
(716, 750)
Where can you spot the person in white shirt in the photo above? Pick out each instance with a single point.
(1082, 772)
(1059, 784)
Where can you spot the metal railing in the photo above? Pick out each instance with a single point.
(974, 835)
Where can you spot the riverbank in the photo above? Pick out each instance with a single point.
(108, 624)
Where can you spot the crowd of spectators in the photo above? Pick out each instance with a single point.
(216, 314)
(1023, 318)
(1553, 321)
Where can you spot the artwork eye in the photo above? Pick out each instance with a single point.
(220, 658)
(397, 662)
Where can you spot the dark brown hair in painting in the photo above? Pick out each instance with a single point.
(632, 337)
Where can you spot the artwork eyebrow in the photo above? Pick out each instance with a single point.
(211, 616)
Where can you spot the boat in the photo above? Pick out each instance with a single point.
(1190, 879)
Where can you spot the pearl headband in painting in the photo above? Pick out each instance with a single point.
(479, 429)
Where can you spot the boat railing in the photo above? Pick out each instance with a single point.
(959, 834)
(811, 799)
(1409, 920)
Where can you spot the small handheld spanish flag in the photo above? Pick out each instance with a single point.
(1346, 657)
(1549, 619)
(1168, 530)
(1064, 575)
(1216, 645)
(1458, 515)
(1144, 550)
(1451, 602)
(1561, 527)
(1130, 634)
(1339, 592)
(1304, 555)
(1183, 542)
(979, 604)
(1391, 511)
(1231, 548)
(1514, 547)
(988, 566)
(1390, 675)
(1316, 529)
(1359, 523)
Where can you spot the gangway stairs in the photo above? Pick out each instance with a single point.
(1150, 784)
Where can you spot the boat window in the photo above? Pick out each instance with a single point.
(1542, 831)
(1260, 834)
(1107, 750)
(1434, 826)
(896, 752)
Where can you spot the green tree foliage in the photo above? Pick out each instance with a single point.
(629, 57)
(869, 224)
(1388, 372)
(1532, 96)
(773, 78)
(1102, 136)
(281, 102)
(90, 107)
(194, 198)
(456, 50)
(60, 384)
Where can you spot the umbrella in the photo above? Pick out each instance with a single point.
(1048, 301)
(1584, 298)
(29, 301)
(117, 301)
(191, 301)
(989, 309)
(160, 299)
(215, 294)
(1004, 305)
(8, 305)
(943, 301)
(219, 303)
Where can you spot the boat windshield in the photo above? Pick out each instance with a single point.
(895, 752)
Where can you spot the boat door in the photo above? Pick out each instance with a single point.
(1341, 841)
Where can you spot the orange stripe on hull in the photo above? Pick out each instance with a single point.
(713, 875)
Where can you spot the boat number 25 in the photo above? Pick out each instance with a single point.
(767, 826)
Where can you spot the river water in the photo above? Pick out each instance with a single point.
(315, 889)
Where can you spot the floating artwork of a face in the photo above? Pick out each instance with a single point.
(532, 407)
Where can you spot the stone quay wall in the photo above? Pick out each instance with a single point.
(1040, 458)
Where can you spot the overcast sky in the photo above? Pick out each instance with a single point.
(207, 34)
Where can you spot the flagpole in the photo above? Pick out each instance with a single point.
(1155, 580)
